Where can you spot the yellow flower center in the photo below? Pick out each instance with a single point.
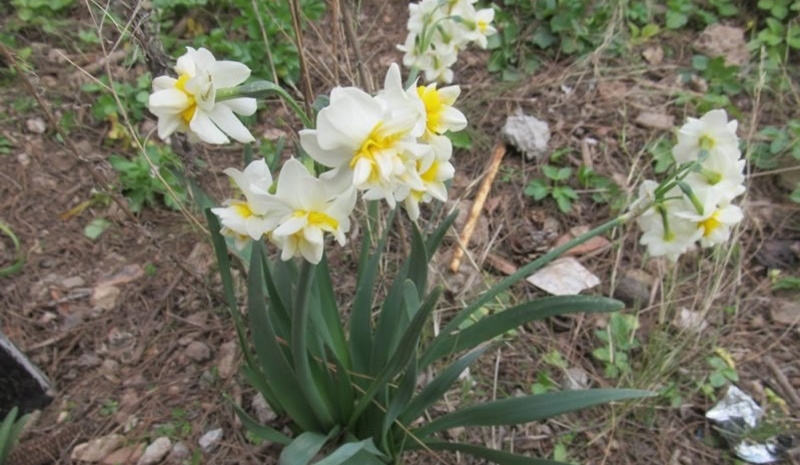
(188, 113)
(429, 176)
(376, 142)
(706, 142)
(433, 107)
(319, 219)
(242, 209)
(711, 224)
(482, 26)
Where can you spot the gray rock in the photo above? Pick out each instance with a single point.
(156, 451)
(210, 440)
(528, 134)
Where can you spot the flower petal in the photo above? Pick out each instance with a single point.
(223, 117)
(202, 126)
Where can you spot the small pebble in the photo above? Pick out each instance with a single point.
(210, 440)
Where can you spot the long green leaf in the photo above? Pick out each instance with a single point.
(276, 368)
(526, 271)
(435, 239)
(447, 343)
(401, 396)
(303, 448)
(527, 409)
(329, 313)
(497, 456)
(6, 441)
(349, 451)
(396, 313)
(361, 313)
(418, 262)
(434, 391)
(263, 432)
(405, 350)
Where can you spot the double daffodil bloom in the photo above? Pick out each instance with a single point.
(188, 103)
(308, 207)
(249, 218)
(712, 133)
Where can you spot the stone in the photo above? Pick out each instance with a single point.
(208, 442)
(198, 351)
(105, 297)
(179, 453)
(73, 282)
(634, 287)
(785, 312)
(156, 451)
(227, 366)
(651, 119)
(98, 448)
(528, 134)
(264, 413)
(725, 41)
(35, 125)
(125, 455)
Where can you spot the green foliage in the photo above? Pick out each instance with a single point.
(140, 184)
(40, 13)
(529, 30)
(778, 147)
(721, 374)
(10, 429)
(682, 13)
(133, 97)
(554, 185)
(233, 29)
(355, 398)
(619, 338)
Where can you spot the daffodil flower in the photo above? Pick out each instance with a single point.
(440, 114)
(712, 133)
(715, 220)
(433, 171)
(249, 218)
(308, 207)
(188, 103)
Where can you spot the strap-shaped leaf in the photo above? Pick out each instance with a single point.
(524, 272)
(435, 239)
(9, 431)
(353, 453)
(405, 350)
(496, 456)
(418, 262)
(327, 320)
(361, 313)
(263, 432)
(304, 447)
(401, 396)
(527, 409)
(275, 367)
(434, 391)
(396, 313)
(447, 343)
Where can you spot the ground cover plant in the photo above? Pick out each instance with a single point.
(143, 345)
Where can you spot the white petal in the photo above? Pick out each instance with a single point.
(331, 158)
(291, 226)
(244, 105)
(168, 124)
(229, 73)
(202, 126)
(167, 101)
(224, 118)
(164, 82)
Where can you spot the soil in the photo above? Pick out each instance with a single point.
(130, 327)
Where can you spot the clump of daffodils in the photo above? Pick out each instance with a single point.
(695, 203)
(189, 103)
(390, 146)
(438, 30)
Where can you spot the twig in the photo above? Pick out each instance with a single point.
(477, 205)
(308, 94)
(781, 379)
(350, 32)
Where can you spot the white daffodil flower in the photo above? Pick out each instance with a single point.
(716, 220)
(308, 208)
(668, 234)
(188, 104)
(433, 171)
(721, 174)
(363, 134)
(248, 219)
(440, 115)
(712, 133)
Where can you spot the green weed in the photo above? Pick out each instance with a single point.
(140, 184)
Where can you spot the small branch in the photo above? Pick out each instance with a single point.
(297, 25)
(786, 386)
(477, 205)
(350, 32)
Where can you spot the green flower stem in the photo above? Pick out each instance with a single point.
(20, 257)
(261, 89)
(545, 259)
(299, 346)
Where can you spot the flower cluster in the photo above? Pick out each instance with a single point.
(189, 103)
(695, 203)
(388, 146)
(438, 30)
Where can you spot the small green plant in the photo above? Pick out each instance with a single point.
(179, 426)
(603, 189)
(619, 338)
(722, 372)
(10, 429)
(258, 34)
(109, 407)
(780, 34)
(45, 14)
(554, 184)
(680, 13)
(778, 146)
(133, 97)
(141, 185)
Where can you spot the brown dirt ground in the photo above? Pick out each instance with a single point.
(126, 361)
